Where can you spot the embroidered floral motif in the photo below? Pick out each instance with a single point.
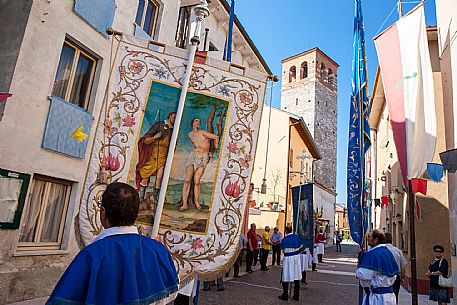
(233, 148)
(136, 66)
(161, 73)
(197, 243)
(245, 98)
(128, 121)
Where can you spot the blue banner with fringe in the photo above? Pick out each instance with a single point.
(359, 134)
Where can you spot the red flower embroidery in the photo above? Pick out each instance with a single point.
(232, 189)
(129, 120)
(111, 162)
(232, 147)
(197, 243)
(136, 66)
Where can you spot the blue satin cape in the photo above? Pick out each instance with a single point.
(119, 269)
(379, 259)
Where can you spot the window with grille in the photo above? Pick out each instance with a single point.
(146, 16)
(75, 75)
(182, 32)
(44, 217)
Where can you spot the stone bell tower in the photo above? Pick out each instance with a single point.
(309, 89)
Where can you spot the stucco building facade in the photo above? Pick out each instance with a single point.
(446, 15)
(288, 138)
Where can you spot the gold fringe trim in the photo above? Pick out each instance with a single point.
(78, 237)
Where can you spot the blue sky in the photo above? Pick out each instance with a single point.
(287, 27)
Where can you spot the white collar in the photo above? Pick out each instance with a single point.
(116, 231)
(379, 245)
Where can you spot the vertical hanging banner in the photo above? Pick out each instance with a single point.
(407, 75)
(206, 196)
(359, 134)
(303, 209)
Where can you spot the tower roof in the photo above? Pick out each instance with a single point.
(316, 49)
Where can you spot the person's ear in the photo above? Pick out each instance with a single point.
(104, 217)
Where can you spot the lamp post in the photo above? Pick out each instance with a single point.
(201, 12)
(301, 157)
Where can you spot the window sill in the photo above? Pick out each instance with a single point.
(40, 253)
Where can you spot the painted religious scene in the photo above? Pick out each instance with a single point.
(195, 164)
(302, 197)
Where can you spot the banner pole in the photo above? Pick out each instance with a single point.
(400, 8)
(201, 12)
(412, 238)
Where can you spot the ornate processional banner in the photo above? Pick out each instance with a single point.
(212, 165)
(303, 213)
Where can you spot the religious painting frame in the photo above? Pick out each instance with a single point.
(160, 104)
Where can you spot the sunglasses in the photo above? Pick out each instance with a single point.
(439, 251)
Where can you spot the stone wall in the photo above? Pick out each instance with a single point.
(301, 100)
(325, 128)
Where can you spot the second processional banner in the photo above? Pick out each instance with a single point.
(212, 164)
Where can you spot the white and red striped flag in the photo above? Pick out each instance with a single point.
(407, 76)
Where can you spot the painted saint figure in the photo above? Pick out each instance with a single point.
(197, 162)
(152, 154)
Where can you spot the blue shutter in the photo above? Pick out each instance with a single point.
(97, 13)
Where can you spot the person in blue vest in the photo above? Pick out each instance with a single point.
(292, 246)
(377, 271)
(120, 266)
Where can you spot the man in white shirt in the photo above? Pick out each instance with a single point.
(377, 271)
(401, 262)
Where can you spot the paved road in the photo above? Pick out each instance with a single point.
(334, 283)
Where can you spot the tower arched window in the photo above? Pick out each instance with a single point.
(304, 70)
(330, 77)
(323, 72)
(292, 74)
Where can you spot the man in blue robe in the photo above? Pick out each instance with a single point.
(292, 246)
(120, 266)
(377, 271)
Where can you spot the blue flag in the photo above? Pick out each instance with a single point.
(435, 171)
(359, 133)
(67, 128)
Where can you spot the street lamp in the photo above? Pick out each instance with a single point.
(301, 157)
